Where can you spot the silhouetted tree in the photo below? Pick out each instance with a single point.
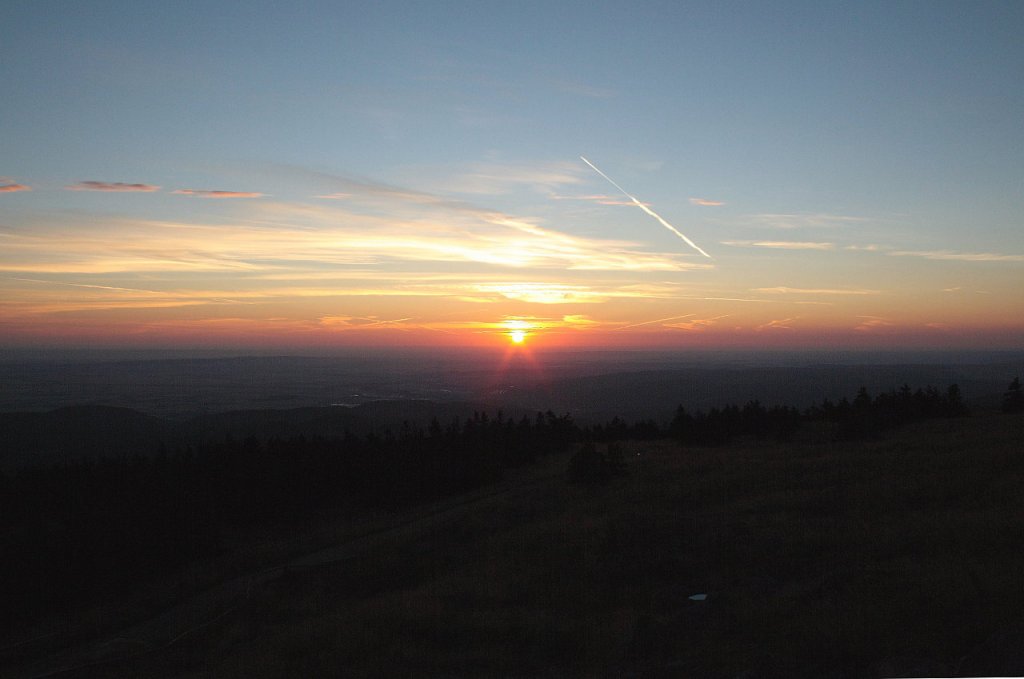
(588, 464)
(1013, 399)
(955, 406)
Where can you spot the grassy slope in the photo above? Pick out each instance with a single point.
(899, 556)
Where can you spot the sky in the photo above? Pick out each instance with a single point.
(567, 174)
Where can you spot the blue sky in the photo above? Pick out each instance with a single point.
(861, 162)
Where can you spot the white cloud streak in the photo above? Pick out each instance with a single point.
(947, 255)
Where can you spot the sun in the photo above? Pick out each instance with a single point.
(517, 329)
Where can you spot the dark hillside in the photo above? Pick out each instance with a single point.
(896, 555)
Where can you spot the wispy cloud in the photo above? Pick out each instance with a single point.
(41, 298)
(734, 299)
(600, 199)
(580, 321)
(85, 285)
(697, 324)
(487, 326)
(90, 185)
(780, 245)
(14, 188)
(279, 235)
(655, 321)
(947, 255)
(499, 178)
(704, 202)
(544, 293)
(203, 193)
(336, 321)
(782, 290)
(778, 324)
(366, 190)
(803, 220)
(870, 247)
(873, 324)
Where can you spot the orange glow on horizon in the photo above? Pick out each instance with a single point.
(517, 329)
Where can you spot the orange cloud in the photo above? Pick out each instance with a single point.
(873, 324)
(579, 320)
(703, 202)
(111, 186)
(217, 194)
(779, 324)
(544, 293)
(13, 188)
(697, 324)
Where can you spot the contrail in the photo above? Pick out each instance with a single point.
(85, 285)
(382, 322)
(656, 320)
(647, 210)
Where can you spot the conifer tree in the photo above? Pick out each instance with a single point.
(1013, 399)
